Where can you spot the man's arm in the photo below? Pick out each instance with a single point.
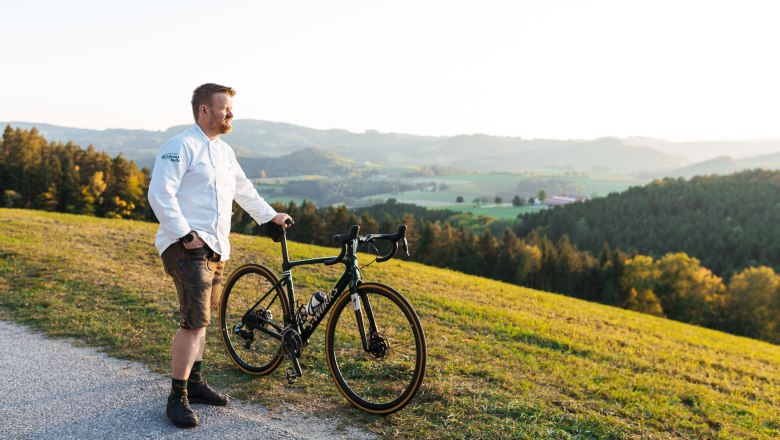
(169, 167)
(248, 198)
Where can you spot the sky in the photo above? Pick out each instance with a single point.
(676, 70)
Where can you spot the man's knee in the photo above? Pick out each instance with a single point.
(192, 332)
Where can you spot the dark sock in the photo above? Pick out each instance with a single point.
(178, 387)
(195, 372)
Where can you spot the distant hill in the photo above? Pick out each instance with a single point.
(766, 161)
(722, 165)
(306, 161)
(478, 152)
(727, 165)
(705, 150)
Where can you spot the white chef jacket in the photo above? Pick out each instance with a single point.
(194, 183)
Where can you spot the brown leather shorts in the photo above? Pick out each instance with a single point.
(197, 274)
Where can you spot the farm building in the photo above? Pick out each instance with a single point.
(564, 199)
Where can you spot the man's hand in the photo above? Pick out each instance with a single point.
(283, 220)
(196, 242)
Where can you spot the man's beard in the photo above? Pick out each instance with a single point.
(224, 127)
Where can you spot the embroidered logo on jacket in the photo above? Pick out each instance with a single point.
(173, 157)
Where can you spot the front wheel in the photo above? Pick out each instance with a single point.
(383, 376)
(251, 317)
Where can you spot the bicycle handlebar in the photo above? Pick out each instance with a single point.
(394, 238)
(346, 239)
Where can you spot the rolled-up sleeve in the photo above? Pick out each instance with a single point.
(248, 198)
(169, 168)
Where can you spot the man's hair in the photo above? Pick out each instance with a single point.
(202, 95)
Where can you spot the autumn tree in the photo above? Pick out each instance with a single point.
(641, 276)
(689, 292)
(753, 303)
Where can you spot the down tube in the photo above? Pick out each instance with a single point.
(341, 285)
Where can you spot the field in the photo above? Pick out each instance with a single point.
(441, 192)
(504, 361)
(505, 185)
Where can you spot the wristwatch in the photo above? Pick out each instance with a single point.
(188, 238)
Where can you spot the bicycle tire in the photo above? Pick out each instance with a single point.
(261, 354)
(386, 380)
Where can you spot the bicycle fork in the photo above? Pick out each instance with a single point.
(370, 338)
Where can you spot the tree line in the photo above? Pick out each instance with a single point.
(37, 174)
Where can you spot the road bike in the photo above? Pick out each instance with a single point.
(374, 342)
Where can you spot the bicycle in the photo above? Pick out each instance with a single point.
(375, 355)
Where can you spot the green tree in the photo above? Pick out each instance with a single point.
(70, 197)
(487, 250)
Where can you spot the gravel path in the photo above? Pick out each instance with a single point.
(53, 389)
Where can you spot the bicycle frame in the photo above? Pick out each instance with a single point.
(350, 279)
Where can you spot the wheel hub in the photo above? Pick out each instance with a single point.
(377, 346)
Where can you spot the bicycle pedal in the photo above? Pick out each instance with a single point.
(291, 375)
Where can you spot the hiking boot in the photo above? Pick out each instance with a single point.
(180, 413)
(201, 392)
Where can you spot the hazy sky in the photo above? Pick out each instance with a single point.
(679, 70)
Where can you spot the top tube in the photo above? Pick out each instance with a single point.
(349, 244)
(287, 264)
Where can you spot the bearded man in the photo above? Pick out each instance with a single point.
(196, 177)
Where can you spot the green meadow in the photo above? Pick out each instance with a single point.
(505, 185)
(503, 361)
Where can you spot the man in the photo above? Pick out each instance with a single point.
(196, 178)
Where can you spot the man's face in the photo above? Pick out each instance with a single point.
(220, 113)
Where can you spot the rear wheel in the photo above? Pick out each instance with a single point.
(242, 322)
(383, 377)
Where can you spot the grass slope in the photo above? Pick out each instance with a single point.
(504, 361)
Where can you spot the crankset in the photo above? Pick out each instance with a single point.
(291, 343)
(291, 347)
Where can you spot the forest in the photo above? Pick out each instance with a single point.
(727, 222)
(581, 258)
(36, 174)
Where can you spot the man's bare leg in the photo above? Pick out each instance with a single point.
(187, 343)
(187, 347)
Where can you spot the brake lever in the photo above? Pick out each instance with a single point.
(406, 247)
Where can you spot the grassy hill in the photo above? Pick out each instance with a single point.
(504, 361)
